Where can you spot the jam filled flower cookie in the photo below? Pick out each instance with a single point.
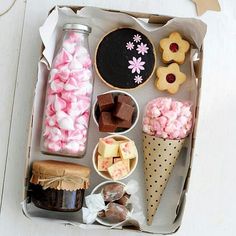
(174, 48)
(170, 78)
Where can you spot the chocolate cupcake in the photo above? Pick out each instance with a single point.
(125, 59)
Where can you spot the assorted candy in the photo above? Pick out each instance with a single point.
(113, 192)
(114, 213)
(68, 98)
(166, 122)
(115, 113)
(114, 157)
(112, 204)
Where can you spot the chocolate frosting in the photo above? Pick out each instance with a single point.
(115, 55)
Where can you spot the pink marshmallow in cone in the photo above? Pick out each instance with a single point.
(164, 133)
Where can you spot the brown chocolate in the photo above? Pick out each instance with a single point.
(112, 192)
(124, 111)
(124, 99)
(105, 102)
(116, 213)
(123, 123)
(101, 214)
(124, 200)
(106, 122)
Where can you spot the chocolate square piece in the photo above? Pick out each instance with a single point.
(105, 102)
(124, 111)
(106, 122)
(123, 123)
(124, 99)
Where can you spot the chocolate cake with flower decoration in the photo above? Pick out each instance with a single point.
(125, 59)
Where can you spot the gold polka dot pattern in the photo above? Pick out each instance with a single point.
(160, 156)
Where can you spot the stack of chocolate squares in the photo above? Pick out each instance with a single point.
(115, 112)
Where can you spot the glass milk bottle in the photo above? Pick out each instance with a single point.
(68, 96)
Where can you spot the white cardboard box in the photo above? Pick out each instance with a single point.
(170, 212)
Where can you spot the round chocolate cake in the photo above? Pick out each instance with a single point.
(125, 58)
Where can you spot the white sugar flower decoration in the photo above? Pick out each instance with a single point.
(142, 48)
(130, 46)
(137, 38)
(136, 65)
(138, 79)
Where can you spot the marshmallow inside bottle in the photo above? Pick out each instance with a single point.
(68, 95)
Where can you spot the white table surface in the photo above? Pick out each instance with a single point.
(210, 207)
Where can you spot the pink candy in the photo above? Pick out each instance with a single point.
(167, 118)
(62, 59)
(68, 99)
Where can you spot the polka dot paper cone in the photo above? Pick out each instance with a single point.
(160, 156)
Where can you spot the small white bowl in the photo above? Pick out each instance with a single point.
(98, 189)
(135, 115)
(105, 174)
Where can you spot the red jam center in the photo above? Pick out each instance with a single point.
(170, 78)
(174, 47)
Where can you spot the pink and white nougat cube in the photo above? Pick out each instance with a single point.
(108, 147)
(125, 161)
(128, 150)
(104, 163)
(118, 170)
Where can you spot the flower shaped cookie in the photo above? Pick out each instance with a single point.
(174, 48)
(170, 78)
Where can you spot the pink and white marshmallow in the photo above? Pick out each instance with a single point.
(167, 118)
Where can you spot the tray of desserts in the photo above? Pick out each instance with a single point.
(112, 130)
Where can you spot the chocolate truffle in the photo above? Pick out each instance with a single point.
(124, 111)
(105, 102)
(107, 122)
